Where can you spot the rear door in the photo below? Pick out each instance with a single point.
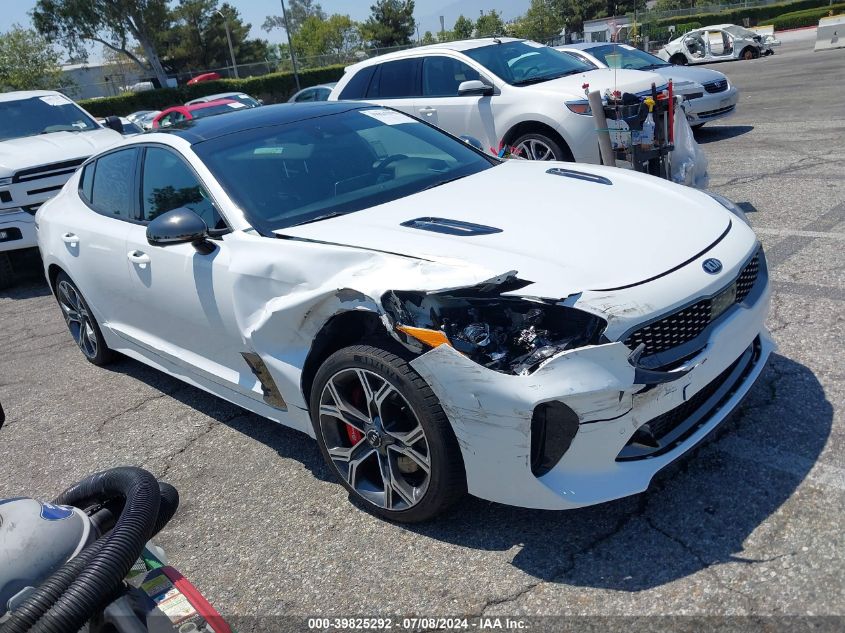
(93, 231)
(396, 84)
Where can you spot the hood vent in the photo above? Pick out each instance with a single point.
(450, 227)
(579, 175)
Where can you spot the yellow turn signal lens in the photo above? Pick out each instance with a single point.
(432, 338)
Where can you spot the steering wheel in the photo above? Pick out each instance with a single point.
(384, 162)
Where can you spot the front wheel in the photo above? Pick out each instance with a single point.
(537, 146)
(382, 431)
(749, 53)
(81, 323)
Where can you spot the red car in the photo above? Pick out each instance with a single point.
(177, 114)
(204, 77)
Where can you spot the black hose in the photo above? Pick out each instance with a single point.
(73, 593)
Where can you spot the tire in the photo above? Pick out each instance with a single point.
(678, 60)
(379, 427)
(82, 325)
(7, 271)
(537, 146)
(749, 53)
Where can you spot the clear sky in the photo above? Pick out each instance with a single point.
(253, 11)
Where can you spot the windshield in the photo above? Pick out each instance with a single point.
(216, 109)
(740, 32)
(523, 62)
(626, 57)
(334, 164)
(246, 100)
(42, 115)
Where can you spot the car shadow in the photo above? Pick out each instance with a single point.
(26, 286)
(698, 512)
(710, 133)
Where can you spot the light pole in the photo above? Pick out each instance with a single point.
(229, 39)
(290, 46)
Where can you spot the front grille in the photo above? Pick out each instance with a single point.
(687, 323)
(711, 113)
(48, 171)
(716, 86)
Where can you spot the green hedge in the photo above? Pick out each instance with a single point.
(272, 88)
(808, 17)
(756, 15)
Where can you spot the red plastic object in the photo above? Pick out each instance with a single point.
(671, 114)
(197, 600)
(204, 77)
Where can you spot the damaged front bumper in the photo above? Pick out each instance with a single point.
(607, 454)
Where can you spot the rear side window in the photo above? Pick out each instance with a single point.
(357, 86)
(86, 181)
(111, 191)
(396, 80)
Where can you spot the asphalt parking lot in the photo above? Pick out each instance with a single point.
(752, 524)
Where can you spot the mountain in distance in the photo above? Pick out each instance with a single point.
(428, 20)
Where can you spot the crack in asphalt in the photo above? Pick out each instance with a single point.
(138, 406)
(791, 168)
(210, 426)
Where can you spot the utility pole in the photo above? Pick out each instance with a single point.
(229, 39)
(290, 46)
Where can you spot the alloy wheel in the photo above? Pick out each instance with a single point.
(78, 320)
(375, 439)
(535, 149)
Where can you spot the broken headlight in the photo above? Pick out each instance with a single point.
(509, 335)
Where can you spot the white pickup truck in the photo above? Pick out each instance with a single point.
(44, 137)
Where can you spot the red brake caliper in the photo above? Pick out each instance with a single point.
(354, 435)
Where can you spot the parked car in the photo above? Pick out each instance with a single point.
(144, 118)
(240, 97)
(508, 90)
(44, 137)
(177, 114)
(721, 42)
(708, 94)
(313, 93)
(546, 335)
(204, 77)
(129, 126)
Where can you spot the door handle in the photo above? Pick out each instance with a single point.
(70, 238)
(428, 111)
(138, 257)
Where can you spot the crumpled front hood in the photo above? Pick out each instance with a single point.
(567, 235)
(32, 151)
(601, 79)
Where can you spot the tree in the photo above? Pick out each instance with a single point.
(446, 36)
(28, 61)
(490, 23)
(428, 38)
(463, 28)
(298, 11)
(335, 35)
(391, 23)
(198, 37)
(112, 23)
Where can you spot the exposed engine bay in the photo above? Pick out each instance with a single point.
(505, 334)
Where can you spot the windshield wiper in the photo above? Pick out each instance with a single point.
(542, 78)
(445, 181)
(325, 216)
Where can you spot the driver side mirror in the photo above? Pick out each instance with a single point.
(475, 87)
(114, 123)
(176, 227)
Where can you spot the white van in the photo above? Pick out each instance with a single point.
(44, 137)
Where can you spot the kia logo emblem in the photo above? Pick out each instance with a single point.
(712, 266)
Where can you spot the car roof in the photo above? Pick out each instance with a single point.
(204, 129)
(585, 46)
(28, 94)
(460, 45)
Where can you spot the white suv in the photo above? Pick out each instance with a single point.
(44, 137)
(507, 90)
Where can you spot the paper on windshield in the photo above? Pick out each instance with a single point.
(388, 117)
(55, 100)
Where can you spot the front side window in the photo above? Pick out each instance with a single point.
(333, 165)
(396, 80)
(305, 95)
(42, 115)
(442, 76)
(167, 183)
(171, 119)
(111, 189)
(523, 62)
